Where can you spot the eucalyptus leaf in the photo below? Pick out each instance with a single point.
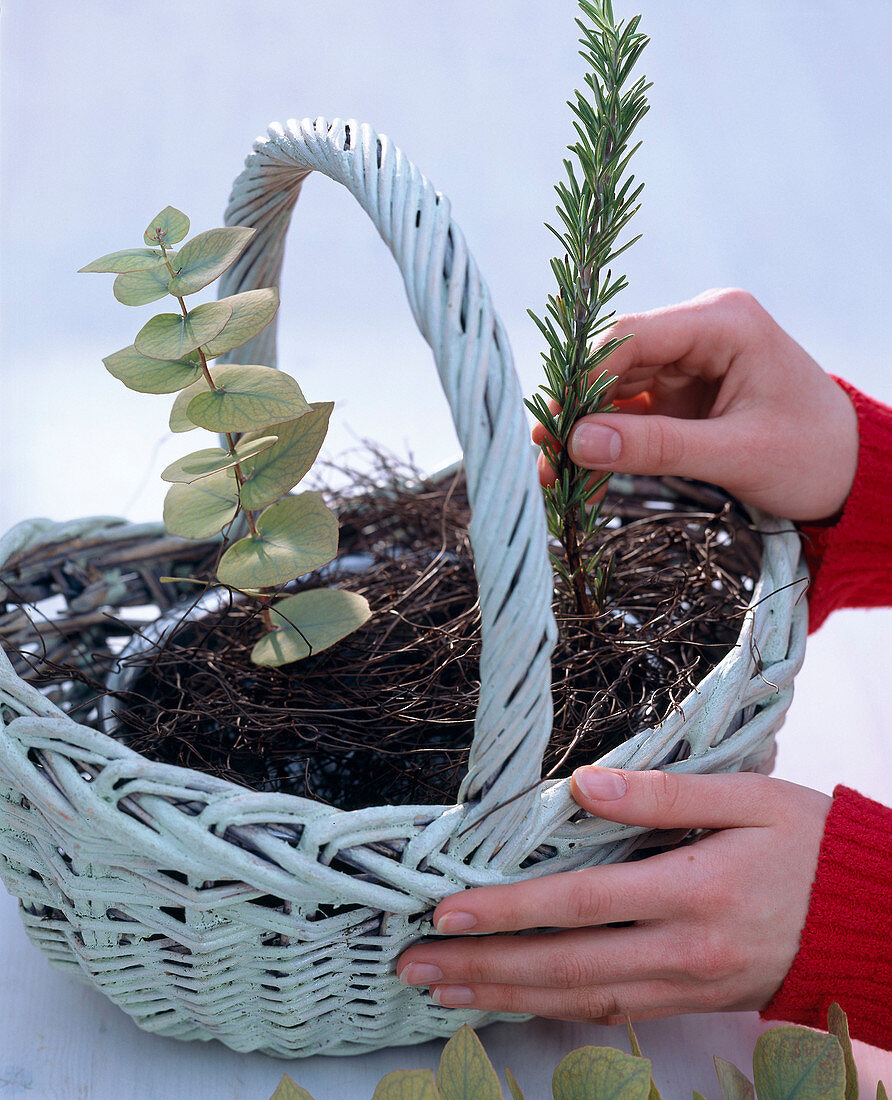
(252, 311)
(634, 1045)
(207, 256)
(287, 1090)
(838, 1025)
(308, 623)
(179, 422)
(224, 373)
(635, 1048)
(211, 460)
(172, 336)
(145, 375)
(201, 510)
(734, 1084)
(465, 1072)
(168, 227)
(246, 397)
(881, 1091)
(138, 288)
(407, 1084)
(795, 1061)
(294, 536)
(128, 259)
(513, 1086)
(601, 1073)
(281, 467)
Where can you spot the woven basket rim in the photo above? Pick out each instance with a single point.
(196, 778)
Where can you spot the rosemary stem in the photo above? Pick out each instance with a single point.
(595, 204)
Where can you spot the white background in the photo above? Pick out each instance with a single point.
(766, 159)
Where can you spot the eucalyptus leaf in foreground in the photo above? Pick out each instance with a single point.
(211, 460)
(171, 335)
(465, 1071)
(794, 1061)
(287, 1090)
(838, 1025)
(601, 1073)
(168, 227)
(282, 466)
(252, 311)
(734, 1084)
(635, 1048)
(308, 623)
(145, 375)
(128, 259)
(294, 536)
(206, 256)
(246, 397)
(513, 1086)
(407, 1084)
(200, 510)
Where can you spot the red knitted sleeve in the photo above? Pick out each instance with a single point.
(850, 561)
(844, 952)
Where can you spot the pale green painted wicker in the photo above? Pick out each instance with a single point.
(271, 922)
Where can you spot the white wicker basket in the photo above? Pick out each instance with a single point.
(272, 922)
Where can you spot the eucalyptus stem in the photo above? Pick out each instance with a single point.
(263, 594)
(596, 201)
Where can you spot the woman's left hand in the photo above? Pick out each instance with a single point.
(708, 926)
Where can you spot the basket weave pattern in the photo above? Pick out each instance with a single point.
(272, 922)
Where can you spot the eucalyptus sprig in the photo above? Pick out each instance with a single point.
(596, 201)
(272, 433)
(789, 1063)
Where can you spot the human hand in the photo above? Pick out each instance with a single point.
(716, 922)
(732, 399)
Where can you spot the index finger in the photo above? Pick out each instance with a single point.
(699, 337)
(651, 889)
(700, 334)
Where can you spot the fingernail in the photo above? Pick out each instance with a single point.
(450, 996)
(602, 784)
(594, 444)
(456, 921)
(420, 974)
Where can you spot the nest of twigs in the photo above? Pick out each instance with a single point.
(386, 716)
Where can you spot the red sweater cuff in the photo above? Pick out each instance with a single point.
(849, 561)
(844, 951)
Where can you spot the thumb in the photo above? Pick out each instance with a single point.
(638, 443)
(674, 800)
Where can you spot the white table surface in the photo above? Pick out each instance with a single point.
(60, 1040)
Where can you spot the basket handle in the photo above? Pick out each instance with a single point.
(454, 312)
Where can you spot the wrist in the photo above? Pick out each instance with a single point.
(848, 558)
(841, 442)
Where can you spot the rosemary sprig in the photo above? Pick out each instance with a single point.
(596, 201)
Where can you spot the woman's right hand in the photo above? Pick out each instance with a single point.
(728, 397)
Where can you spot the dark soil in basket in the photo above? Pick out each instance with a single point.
(386, 716)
